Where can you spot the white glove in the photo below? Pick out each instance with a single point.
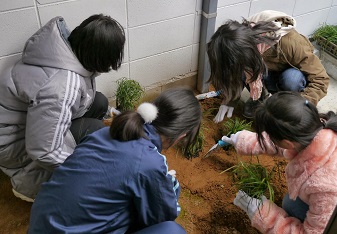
(221, 113)
(172, 173)
(247, 203)
(232, 139)
(113, 111)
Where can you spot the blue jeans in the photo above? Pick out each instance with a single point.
(168, 227)
(297, 208)
(290, 79)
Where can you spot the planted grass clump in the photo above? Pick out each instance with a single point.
(128, 94)
(252, 178)
(194, 149)
(235, 125)
(208, 113)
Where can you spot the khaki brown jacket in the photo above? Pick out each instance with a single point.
(294, 50)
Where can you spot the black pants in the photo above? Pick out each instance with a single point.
(91, 120)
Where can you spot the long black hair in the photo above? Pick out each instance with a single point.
(98, 43)
(288, 116)
(179, 113)
(233, 50)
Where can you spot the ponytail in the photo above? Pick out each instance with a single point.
(128, 125)
(329, 120)
(174, 113)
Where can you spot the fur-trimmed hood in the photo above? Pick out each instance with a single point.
(285, 22)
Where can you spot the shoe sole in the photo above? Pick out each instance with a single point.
(22, 197)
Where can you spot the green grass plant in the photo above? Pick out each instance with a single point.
(194, 149)
(326, 31)
(252, 178)
(128, 94)
(232, 126)
(208, 112)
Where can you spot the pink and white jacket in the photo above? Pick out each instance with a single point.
(311, 175)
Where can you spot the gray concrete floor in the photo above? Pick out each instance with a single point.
(329, 102)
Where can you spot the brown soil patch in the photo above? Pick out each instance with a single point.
(206, 197)
(207, 194)
(14, 212)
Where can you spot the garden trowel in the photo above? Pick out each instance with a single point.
(220, 144)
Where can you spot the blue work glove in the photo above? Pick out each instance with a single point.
(248, 204)
(232, 139)
(221, 113)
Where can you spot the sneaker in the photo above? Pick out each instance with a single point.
(250, 108)
(22, 197)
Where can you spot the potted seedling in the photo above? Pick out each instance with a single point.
(128, 94)
(326, 37)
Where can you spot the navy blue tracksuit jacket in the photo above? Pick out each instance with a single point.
(108, 186)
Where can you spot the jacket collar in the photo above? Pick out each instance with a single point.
(153, 136)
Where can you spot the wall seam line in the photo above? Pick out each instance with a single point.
(37, 13)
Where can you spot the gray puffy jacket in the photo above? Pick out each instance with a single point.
(40, 96)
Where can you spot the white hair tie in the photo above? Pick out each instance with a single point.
(148, 111)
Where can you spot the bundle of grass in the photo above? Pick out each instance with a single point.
(252, 178)
(194, 149)
(235, 125)
(128, 94)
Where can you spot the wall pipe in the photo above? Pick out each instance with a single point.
(208, 18)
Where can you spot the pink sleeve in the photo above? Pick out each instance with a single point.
(247, 144)
(272, 219)
(254, 86)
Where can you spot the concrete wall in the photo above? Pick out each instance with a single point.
(309, 14)
(162, 35)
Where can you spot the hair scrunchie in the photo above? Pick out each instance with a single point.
(148, 111)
